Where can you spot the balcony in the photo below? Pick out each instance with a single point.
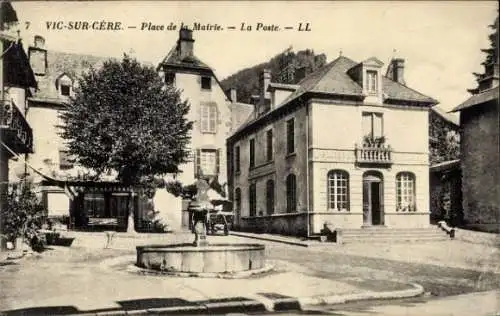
(373, 152)
(15, 130)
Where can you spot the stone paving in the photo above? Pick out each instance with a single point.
(87, 277)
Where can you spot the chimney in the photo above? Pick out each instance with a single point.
(265, 96)
(233, 95)
(39, 42)
(396, 70)
(38, 56)
(185, 43)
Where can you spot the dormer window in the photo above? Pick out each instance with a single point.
(371, 81)
(206, 83)
(65, 90)
(64, 85)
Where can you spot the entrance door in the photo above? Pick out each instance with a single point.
(373, 210)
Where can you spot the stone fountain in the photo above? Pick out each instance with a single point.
(200, 256)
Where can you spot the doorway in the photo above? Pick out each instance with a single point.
(373, 198)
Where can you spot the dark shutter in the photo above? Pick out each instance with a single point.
(217, 162)
(197, 162)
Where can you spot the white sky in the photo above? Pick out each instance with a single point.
(440, 41)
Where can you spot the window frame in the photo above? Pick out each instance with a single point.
(169, 78)
(208, 122)
(251, 153)
(62, 88)
(372, 78)
(252, 200)
(203, 83)
(237, 161)
(337, 176)
(406, 188)
(290, 136)
(291, 193)
(269, 145)
(270, 196)
(372, 115)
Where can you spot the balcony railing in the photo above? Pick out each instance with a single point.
(369, 154)
(16, 132)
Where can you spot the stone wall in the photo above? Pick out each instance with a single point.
(480, 166)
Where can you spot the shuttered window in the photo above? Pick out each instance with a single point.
(207, 162)
(290, 136)
(269, 144)
(252, 200)
(291, 193)
(208, 120)
(270, 197)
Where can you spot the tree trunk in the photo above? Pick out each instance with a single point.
(131, 217)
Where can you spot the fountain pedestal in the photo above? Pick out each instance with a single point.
(200, 228)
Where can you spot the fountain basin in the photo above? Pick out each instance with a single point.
(218, 258)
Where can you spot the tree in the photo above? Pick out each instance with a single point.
(23, 215)
(490, 60)
(124, 118)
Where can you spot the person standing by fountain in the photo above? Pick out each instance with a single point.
(200, 211)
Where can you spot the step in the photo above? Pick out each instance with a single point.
(392, 240)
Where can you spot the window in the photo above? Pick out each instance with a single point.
(270, 197)
(371, 81)
(252, 199)
(290, 136)
(207, 162)
(206, 83)
(405, 192)
(252, 153)
(269, 140)
(65, 90)
(64, 160)
(237, 201)
(338, 190)
(94, 205)
(208, 117)
(291, 194)
(237, 158)
(170, 78)
(373, 124)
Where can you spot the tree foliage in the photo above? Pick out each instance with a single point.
(124, 118)
(282, 67)
(23, 214)
(490, 59)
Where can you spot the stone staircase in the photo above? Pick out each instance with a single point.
(390, 235)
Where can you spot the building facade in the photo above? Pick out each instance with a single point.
(67, 196)
(16, 84)
(479, 152)
(210, 111)
(347, 146)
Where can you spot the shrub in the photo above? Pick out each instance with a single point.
(23, 215)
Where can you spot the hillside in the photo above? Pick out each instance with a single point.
(283, 69)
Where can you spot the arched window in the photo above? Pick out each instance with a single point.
(338, 190)
(252, 200)
(405, 192)
(270, 197)
(291, 193)
(237, 201)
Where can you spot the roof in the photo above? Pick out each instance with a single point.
(334, 79)
(241, 113)
(445, 165)
(16, 65)
(58, 63)
(450, 118)
(480, 98)
(173, 59)
(282, 86)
